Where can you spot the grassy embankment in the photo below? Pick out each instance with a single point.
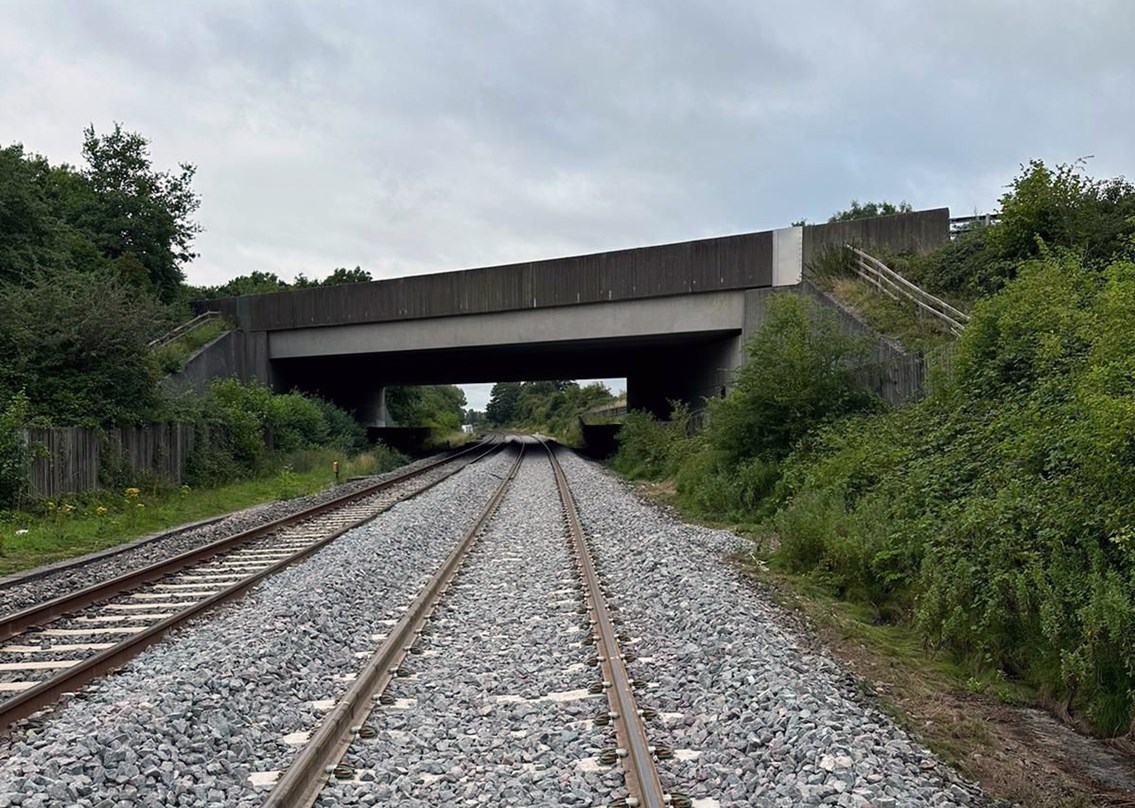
(172, 356)
(76, 525)
(976, 546)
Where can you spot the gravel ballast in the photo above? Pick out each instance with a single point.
(497, 712)
(191, 719)
(756, 718)
(17, 595)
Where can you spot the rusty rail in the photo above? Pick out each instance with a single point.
(644, 789)
(300, 785)
(16, 623)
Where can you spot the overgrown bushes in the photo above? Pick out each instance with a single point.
(13, 453)
(798, 377)
(997, 516)
(244, 428)
(1043, 209)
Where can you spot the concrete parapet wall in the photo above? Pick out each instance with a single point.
(692, 267)
(917, 232)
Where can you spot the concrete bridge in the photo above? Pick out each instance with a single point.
(671, 319)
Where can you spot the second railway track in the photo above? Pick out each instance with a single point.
(55, 647)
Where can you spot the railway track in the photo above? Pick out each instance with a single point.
(320, 759)
(469, 649)
(53, 648)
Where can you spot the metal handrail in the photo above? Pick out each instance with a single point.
(183, 329)
(894, 285)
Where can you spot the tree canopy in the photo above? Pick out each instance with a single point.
(869, 210)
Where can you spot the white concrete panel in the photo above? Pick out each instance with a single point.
(713, 311)
(787, 256)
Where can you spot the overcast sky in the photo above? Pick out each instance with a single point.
(421, 136)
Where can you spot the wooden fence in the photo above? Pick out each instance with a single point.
(71, 460)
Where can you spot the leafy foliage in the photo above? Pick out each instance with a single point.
(261, 283)
(135, 213)
(75, 344)
(13, 453)
(439, 407)
(247, 429)
(799, 375)
(869, 210)
(338, 277)
(997, 514)
(1044, 210)
(650, 449)
(552, 407)
(254, 283)
(797, 378)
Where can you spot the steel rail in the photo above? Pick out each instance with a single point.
(67, 680)
(644, 789)
(301, 783)
(17, 623)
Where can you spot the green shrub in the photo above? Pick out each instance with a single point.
(13, 454)
(798, 376)
(245, 430)
(650, 449)
(295, 422)
(998, 514)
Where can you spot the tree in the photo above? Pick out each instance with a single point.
(503, 401)
(869, 210)
(254, 283)
(474, 417)
(75, 344)
(30, 238)
(438, 406)
(137, 211)
(342, 275)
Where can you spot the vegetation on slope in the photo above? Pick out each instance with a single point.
(996, 517)
(441, 407)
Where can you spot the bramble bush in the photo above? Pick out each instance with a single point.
(799, 377)
(1042, 209)
(997, 515)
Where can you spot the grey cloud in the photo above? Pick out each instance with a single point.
(430, 135)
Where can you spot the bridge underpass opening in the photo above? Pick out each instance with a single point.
(659, 369)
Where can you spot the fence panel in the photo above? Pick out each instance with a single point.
(68, 460)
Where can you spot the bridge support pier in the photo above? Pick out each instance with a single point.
(374, 412)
